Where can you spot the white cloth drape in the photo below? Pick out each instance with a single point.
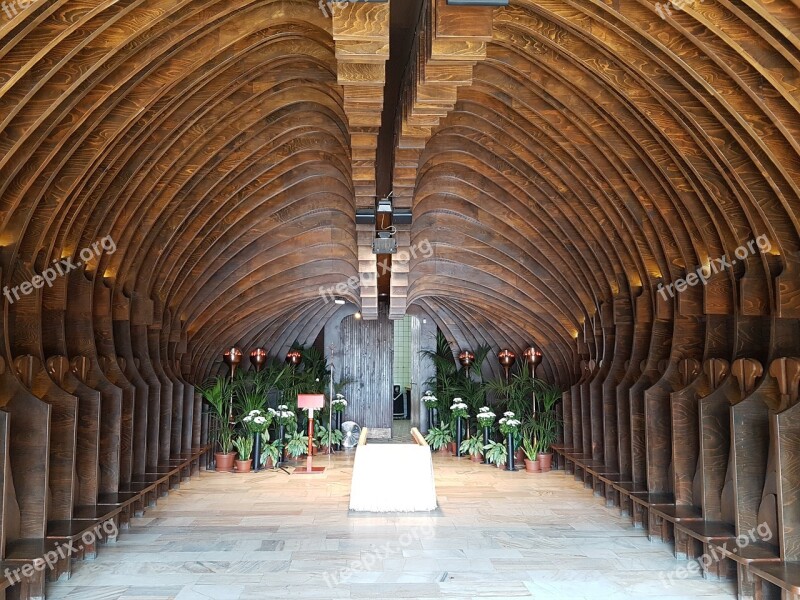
(392, 478)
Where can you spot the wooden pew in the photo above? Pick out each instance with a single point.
(782, 579)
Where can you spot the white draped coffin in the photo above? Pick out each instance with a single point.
(393, 478)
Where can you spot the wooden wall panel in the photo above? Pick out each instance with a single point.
(367, 351)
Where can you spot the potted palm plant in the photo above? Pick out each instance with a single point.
(496, 453)
(547, 427)
(474, 447)
(244, 448)
(218, 393)
(439, 438)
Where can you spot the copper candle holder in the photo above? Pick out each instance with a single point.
(533, 356)
(258, 358)
(466, 358)
(294, 357)
(507, 359)
(232, 358)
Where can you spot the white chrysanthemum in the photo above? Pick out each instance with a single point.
(247, 419)
(509, 414)
(283, 407)
(259, 420)
(485, 409)
(255, 412)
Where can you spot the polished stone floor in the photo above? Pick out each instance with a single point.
(271, 536)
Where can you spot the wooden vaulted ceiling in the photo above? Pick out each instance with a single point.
(562, 158)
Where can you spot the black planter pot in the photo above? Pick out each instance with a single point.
(256, 452)
(281, 437)
(486, 443)
(339, 427)
(458, 437)
(510, 444)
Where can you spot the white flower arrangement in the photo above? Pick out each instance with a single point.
(485, 417)
(429, 400)
(338, 404)
(458, 408)
(509, 424)
(257, 421)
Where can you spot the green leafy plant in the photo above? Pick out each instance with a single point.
(472, 446)
(217, 392)
(517, 394)
(327, 437)
(546, 430)
(439, 437)
(225, 438)
(269, 450)
(244, 446)
(296, 444)
(496, 453)
(530, 448)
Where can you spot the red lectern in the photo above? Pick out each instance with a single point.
(310, 402)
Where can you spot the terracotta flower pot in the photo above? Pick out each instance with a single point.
(452, 447)
(519, 456)
(244, 466)
(476, 458)
(268, 464)
(532, 466)
(224, 462)
(444, 450)
(545, 461)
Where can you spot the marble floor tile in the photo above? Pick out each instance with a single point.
(277, 537)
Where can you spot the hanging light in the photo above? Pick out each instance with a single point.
(466, 358)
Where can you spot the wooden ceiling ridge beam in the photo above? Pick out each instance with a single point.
(361, 36)
(450, 42)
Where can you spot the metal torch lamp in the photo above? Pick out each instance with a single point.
(232, 358)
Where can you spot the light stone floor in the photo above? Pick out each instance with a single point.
(275, 536)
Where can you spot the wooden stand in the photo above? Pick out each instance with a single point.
(310, 402)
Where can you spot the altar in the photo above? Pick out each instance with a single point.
(393, 478)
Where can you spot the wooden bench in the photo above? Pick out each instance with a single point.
(771, 579)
